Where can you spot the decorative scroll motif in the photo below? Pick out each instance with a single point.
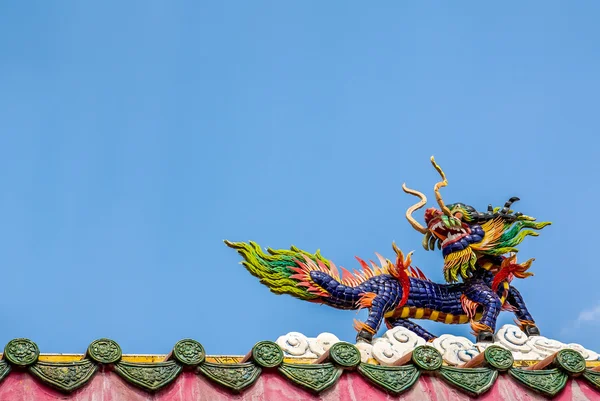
(587, 354)
(21, 352)
(267, 354)
(65, 376)
(571, 361)
(189, 352)
(474, 381)
(345, 355)
(4, 369)
(236, 376)
(394, 379)
(498, 357)
(104, 351)
(394, 344)
(548, 382)
(593, 378)
(149, 376)
(535, 348)
(455, 350)
(322, 343)
(297, 344)
(366, 351)
(316, 377)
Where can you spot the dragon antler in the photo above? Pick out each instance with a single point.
(416, 225)
(439, 185)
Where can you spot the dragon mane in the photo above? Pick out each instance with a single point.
(501, 236)
(495, 232)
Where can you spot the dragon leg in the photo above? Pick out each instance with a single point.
(378, 305)
(525, 320)
(481, 294)
(415, 328)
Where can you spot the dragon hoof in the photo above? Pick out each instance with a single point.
(531, 331)
(364, 336)
(485, 337)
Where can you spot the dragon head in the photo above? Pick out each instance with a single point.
(465, 235)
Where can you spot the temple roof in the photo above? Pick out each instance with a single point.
(331, 369)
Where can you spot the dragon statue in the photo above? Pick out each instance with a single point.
(479, 250)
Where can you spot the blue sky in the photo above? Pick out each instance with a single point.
(136, 136)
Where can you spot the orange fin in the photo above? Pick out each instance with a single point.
(523, 323)
(422, 275)
(366, 300)
(470, 307)
(360, 326)
(477, 327)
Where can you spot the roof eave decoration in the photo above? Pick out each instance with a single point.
(474, 378)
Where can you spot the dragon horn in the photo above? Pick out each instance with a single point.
(439, 185)
(507, 205)
(414, 207)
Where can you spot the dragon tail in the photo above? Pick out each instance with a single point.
(287, 271)
(313, 278)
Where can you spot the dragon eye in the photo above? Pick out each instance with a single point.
(458, 215)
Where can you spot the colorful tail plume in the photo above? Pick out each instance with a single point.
(278, 269)
(289, 271)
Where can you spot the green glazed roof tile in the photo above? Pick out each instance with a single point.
(548, 382)
(474, 381)
(4, 369)
(498, 357)
(64, 376)
(344, 355)
(593, 378)
(315, 377)
(23, 354)
(189, 352)
(104, 351)
(267, 354)
(395, 379)
(570, 361)
(236, 377)
(149, 376)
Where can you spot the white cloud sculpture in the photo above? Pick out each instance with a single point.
(455, 350)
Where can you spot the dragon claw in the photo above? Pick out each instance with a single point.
(485, 337)
(531, 330)
(364, 336)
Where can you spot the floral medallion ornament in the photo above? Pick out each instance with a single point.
(189, 352)
(571, 361)
(427, 357)
(345, 355)
(21, 352)
(498, 357)
(104, 351)
(267, 354)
